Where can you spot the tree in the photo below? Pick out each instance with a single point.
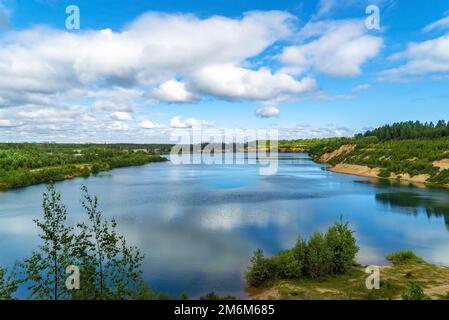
(260, 271)
(8, 284)
(414, 292)
(343, 245)
(318, 257)
(45, 269)
(112, 269)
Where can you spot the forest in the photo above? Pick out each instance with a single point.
(412, 148)
(28, 164)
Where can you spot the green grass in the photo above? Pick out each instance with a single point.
(395, 280)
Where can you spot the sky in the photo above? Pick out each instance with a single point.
(138, 71)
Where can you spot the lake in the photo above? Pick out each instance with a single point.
(199, 224)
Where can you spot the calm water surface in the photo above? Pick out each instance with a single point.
(198, 224)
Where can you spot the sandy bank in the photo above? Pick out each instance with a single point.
(365, 171)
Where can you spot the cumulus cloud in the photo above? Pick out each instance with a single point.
(147, 124)
(336, 48)
(121, 116)
(153, 49)
(230, 82)
(179, 123)
(172, 91)
(419, 59)
(268, 112)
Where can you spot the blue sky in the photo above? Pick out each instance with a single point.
(137, 70)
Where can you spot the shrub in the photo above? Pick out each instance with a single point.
(414, 292)
(286, 265)
(261, 270)
(318, 257)
(299, 251)
(402, 257)
(342, 244)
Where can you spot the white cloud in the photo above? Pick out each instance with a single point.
(172, 91)
(268, 112)
(230, 82)
(326, 6)
(361, 87)
(336, 48)
(121, 116)
(424, 58)
(153, 49)
(443, 23)
(147, 124)
(178, 122)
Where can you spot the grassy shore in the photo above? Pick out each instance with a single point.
(394, 282)
(29, 164)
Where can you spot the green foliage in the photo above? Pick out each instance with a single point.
(414, 292)
(184, 296)
(341, 242)
(45, 269)
(109, 268)
(320, 256)
(261, 271)
(392, 156)
(410, 130)
(403, 257)
(8, 284)
(214, 296)
(286, 266)
(28, 164)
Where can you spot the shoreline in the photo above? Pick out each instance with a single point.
(365, 171)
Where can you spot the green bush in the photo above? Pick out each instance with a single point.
(299, 252)
(414, 292)
(261, 270)
(402, 257)
(341, 242)
(286, 266)
(318, 257)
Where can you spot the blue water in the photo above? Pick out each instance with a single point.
(199, 224)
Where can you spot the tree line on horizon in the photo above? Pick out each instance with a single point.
(409, 130)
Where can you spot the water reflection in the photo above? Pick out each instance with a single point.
(198, 225)
(415, 204)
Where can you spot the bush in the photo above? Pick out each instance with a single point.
(318, 257)
(402, 257)
(342, 244)
(321, 256)
(286, 266)
(299, 251)
(261, 270)
(414, 292)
